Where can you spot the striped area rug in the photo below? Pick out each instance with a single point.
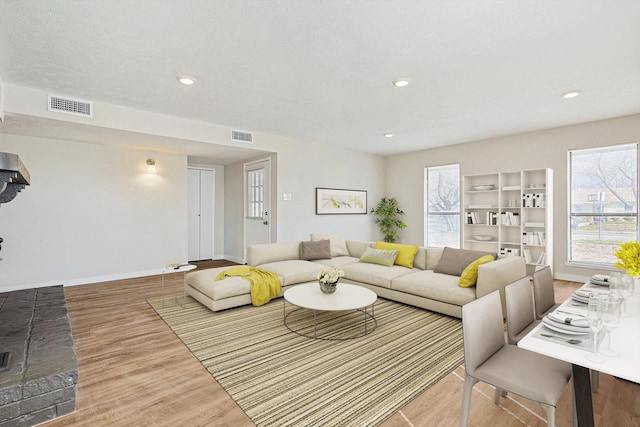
(280, 378)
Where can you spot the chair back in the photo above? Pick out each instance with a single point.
(543, 293)
(482, 330)
(520, 314)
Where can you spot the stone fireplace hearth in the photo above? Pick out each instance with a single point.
(40, 383)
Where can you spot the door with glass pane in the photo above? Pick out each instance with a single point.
(257, 202)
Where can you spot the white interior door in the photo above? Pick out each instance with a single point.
(201, 188)
(257, 219)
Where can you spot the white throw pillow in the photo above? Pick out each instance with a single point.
(338, 247)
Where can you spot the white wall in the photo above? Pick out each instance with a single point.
(534, 150)
(91, 213)
(301, 167)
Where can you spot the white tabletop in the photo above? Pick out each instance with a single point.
(346, 297)
(180, 268)
(625, 338)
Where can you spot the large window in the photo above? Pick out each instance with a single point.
(603, 202)
(442, 206)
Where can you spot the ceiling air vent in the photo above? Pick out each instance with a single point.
(70, 106)
(238, 135)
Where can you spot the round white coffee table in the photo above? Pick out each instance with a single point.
(347, 297)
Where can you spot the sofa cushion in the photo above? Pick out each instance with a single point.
(420, 261)
(294, 271)
(385, 257)
(374, 274)
(433, 257)
(406, 253)
(205, 282)
(435, 286)
(357, 247)
(454, 261)
(338, 247)
(469, 276)
(337, 262)
(315, 250)
(272, 252)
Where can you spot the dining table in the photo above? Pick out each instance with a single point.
(564, 345)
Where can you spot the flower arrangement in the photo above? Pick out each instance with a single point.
(330, 275)
(629, 258)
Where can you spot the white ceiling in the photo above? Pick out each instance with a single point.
(321, 70)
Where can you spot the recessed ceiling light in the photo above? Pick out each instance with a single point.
(571, 94)
(186, 80)
(401, 82)
(388, 135)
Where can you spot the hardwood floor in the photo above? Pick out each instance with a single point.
(135, 372)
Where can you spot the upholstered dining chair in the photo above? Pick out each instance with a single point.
(521, 317)
(488, 358)
(544, 296)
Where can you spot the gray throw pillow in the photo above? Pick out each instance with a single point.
(315, 250)
(453, 261)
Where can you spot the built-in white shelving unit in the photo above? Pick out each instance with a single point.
(510, 213)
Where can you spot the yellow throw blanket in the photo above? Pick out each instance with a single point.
(265, 285)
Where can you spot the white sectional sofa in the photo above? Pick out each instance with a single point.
(422, 285)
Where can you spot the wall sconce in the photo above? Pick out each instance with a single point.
(151, 166)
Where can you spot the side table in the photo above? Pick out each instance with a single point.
(175, 269)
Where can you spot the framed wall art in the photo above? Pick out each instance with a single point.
(335, 201)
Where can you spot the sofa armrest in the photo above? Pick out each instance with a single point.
(498, 274)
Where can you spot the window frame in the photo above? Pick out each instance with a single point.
(571, 214)
(426, 212)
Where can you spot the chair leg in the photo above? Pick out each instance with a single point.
(595, 381)
(574, 411)
(469, 382)
(551, 415)
(497, 395)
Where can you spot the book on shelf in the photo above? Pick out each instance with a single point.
(509, 252)
(510, 218)
(533, 238)
(527, 255)
(492, 218)
(540, 260)
(533, 200)
(510, 187)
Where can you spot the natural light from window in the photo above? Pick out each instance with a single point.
(603, 203)
(442, 206)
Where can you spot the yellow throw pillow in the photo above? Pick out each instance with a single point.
(379, 256)
(469, 276)
(406, 253)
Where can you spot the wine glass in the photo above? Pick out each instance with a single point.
(625, 289)
(611, 313)
(596, 322)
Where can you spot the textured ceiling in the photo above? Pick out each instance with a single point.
(321, 71)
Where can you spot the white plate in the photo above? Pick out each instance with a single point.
(564, 331)
(483, 238)
(483, 187)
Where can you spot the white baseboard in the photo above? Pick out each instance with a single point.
(234, 259)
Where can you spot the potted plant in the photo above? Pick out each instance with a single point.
(387, 214)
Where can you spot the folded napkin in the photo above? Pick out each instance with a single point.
(567, 322)
(599, 280)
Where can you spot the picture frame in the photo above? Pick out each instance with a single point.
(337, 201)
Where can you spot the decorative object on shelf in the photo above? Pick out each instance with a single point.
(482, 238)
(331, 201)
(328, 280)
(483, 187)
(387, 212)
(629, 258)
